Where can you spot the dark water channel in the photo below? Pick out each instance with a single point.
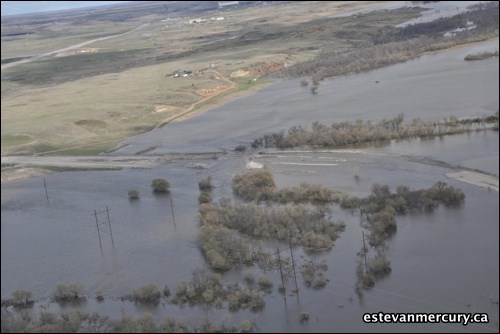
(445, 261)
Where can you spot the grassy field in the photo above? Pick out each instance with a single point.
(85, 103)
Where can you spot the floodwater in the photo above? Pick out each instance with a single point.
(445, 261)
(435, 9)
(430, 88)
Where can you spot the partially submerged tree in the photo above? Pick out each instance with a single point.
(22, 298)
(206, 184)
(66, 293)
(133, 194)
(160, 185)
(148, 294)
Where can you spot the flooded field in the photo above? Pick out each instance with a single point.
(444, 261)
(430, 88)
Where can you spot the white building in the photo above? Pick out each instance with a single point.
(227, 3)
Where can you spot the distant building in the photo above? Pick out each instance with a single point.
(183, 74)
(227, 3)
(198, 20)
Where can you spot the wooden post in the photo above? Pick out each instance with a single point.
(364, 251)
(172, 206)
(281, 274)
(293, 266)
(46, 193)
(97, 224)
(109, 224)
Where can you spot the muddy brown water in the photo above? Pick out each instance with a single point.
(445, 261)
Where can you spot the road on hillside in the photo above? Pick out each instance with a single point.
(72, 47)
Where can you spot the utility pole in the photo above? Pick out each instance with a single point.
(46, 193)
(293, 266)
(364, 251)
(172, 206)
(281, 274)
(97, 224)
(109, 224)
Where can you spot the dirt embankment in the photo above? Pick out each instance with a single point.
(257, 70)
(478, 179)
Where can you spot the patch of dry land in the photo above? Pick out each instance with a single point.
(477, 179)
(78, 83)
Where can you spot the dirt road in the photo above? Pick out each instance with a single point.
(72, 47)
(85, 161)
(477, 179)
(232, 85)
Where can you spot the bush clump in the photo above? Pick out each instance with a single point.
(379, 266)
(206, 184)
(241, 148)
(248, 276)
(245, 298)
(67, 293)
(204, 197)
(22, 298)
(133, 194)
(254, 185)
(147, 294)
(313, 274)
(304, 317)
(260, 186)
(224, 248)
(298, 223)
(99, 295)
(265, 283)
(160, 185)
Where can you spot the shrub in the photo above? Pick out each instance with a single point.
(319, 283)
(367, 281)
(304, 317)
(379, 266)
(160, 185)
(133, 194)
(245, 298)
(355, 173)
(205, 184)
(246, 326)
(480, 56)
(204, 288)
(254, 185)
(304, 83)
(166, 291)
(204, 198)
(22, 298)
(241, 148)
(265, 283)
(128, 324)
(99, 295)
(249, 276)
(70, 292)
(148, 294)
(305, 226)
(224, 248)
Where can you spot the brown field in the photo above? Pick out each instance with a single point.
(85, 99)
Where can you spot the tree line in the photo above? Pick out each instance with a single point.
(400, 45)
(349, 133)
